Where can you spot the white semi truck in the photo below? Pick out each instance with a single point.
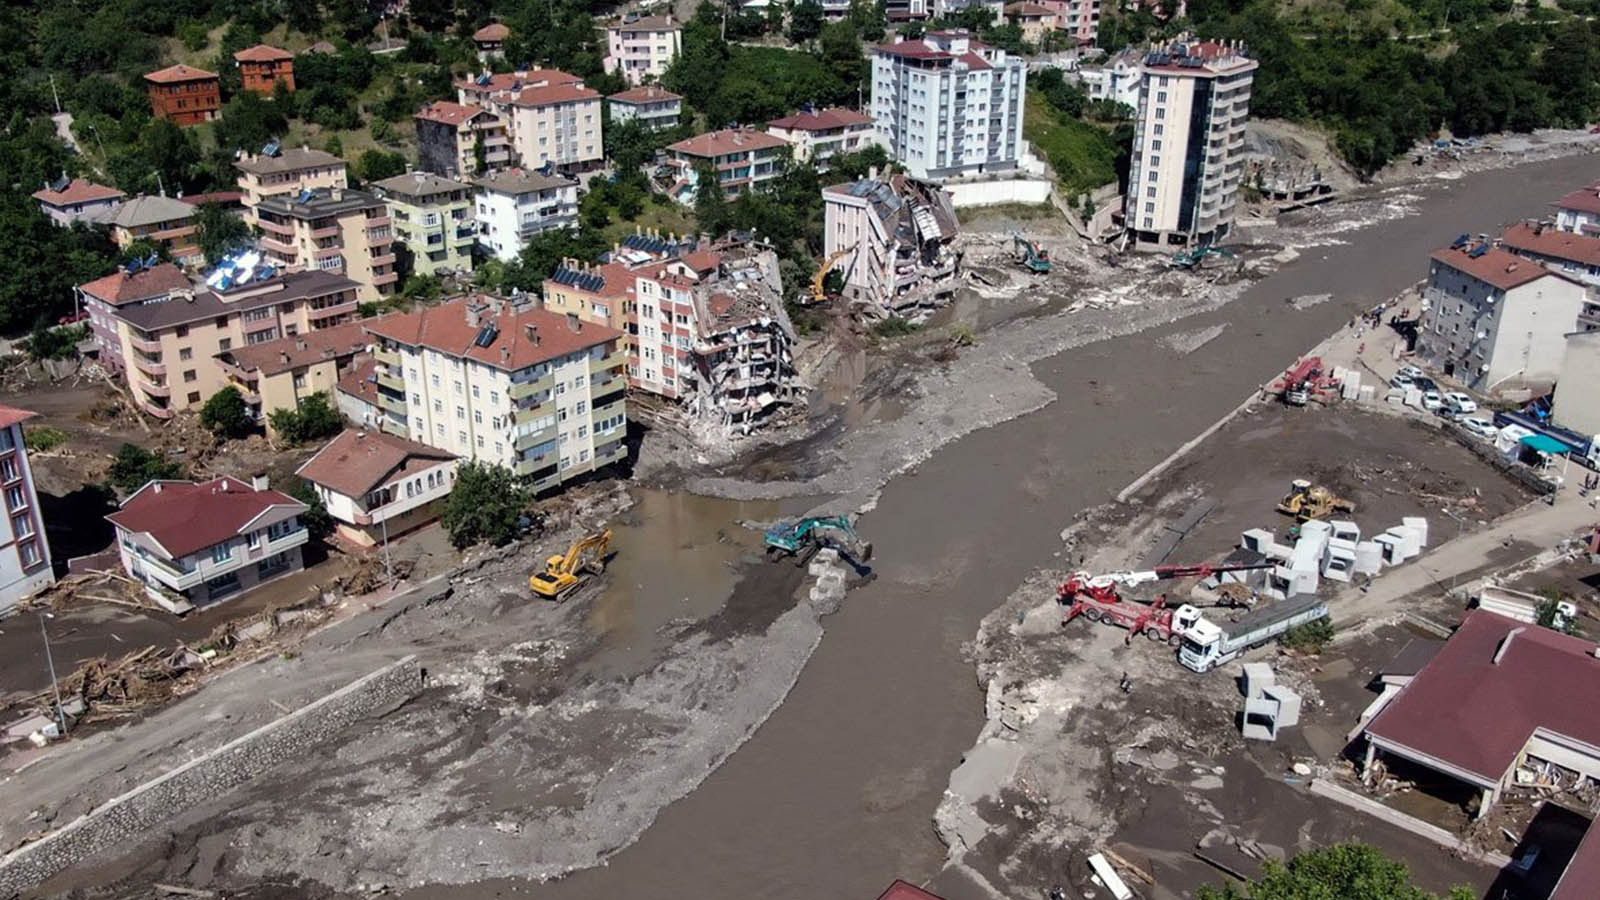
(1208, 644)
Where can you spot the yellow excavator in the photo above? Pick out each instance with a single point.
(819, 295)
(1312, 501)
(563, 573)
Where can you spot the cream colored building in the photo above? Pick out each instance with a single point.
(1577, 403)
(1188, 145)
(287, 172)
(169, 347)
(642, 50)
(279, 374)
(558, 125)
(377, 486)
(434, 217)
(332, 230)
(504, 383)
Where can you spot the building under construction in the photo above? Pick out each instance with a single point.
(892, 239)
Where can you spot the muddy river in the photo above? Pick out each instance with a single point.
(833, 797)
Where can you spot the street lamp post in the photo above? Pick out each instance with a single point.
(55, 687)
(388, 563)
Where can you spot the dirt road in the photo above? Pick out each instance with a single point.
(834, 795)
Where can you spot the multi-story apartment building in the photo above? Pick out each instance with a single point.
(129, 286)
(196, 543)
(1188, 144)
(1035, 20)
(944, 9)
(378, 486)
(1574, 254)
(1079, 18)
(642, 49)
(506, 383)
(168, 346)
(336, 230)
(263, 67)
(1117, 79)
(556, 125)
(279, 374)
(818, 135)
(434, 218)
(492, 90)
(184, 95)
(901, 11)
(78, 200)
(459, 141)
(514, 205)
(742, 159)
(1579, 211)
(892, 239)
(1494, 316)
(491, 41)
(24, 551)
(652, 106)
(163, 221)
(948, 105)
(278, 172)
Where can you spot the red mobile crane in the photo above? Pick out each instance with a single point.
(1095, 598)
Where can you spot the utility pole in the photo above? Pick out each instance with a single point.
(53, 92)
(55, 687)
(388, 562)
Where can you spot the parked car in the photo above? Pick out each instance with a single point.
(1400, 381)
(1411, 372)
(1425, 384)
(1431, 401)
(1481, 427)
(1459, 404)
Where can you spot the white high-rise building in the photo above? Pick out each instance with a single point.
(948, 105)
(24, 552)
(1188, 145)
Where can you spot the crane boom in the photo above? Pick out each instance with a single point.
(1103, 587)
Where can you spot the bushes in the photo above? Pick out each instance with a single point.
(485, 505)
(1310, 637)
(134, 466)
(313, 420)
(43, 438)
(226, 415)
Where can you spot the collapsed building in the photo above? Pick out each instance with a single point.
(703, 321)
(892, 240)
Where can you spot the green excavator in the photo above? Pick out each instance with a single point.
(802, 538)
(1033, 257)
(1191, 259)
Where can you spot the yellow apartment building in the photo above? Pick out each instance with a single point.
(335, 230)
(279, 374)
(276, 172)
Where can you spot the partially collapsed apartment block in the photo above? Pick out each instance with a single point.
(893, 240)
(704, 322)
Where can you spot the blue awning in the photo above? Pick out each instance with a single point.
(1544, 443)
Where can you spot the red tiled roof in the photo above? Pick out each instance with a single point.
(551, 94)
(80, 190)
(1543, 240)
(702, 260)
(494, 31)
(184, 517)
(357, 461)
(616, 280)
(645, 93)
(283, 354)
(526, 338)
(179, 73)
(1581, 879)
(506, 81)
(10, 415)
(974, 61)
(119, 287)
(451, 113)
(359, 383)
(915, 50)
(263, 53)
(821, 120)
(728, 140)
(901, 890)
(1501, 268)
(226, 198)
(1585, 200)
(1476, 714)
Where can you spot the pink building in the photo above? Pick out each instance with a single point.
(101, 298)
(1080, 18)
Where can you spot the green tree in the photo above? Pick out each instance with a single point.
(805, 21)
(134, 466)
(248, 122)
(55, 342)
(484, 506)
(544, 251)
(710, 205)
(314, 419)
(480, 154)
(1332, 873)
(376, 165)
(319, 524)
(226, 414)
(219, 232)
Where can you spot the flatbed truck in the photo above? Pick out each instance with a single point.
(1207, 644)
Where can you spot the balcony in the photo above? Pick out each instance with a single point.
(382, 278)
(392, 382)
(325, 232)
(281, 248)
(616, 452)
(378, 222)
(615, 360)
(149, 367)
(392, 403)
(160, 412)
(154, 390)
(531, 413)
(525, 389)
(385, 260)
(386, 356)
(252, 326)
(535, 438)
(526, 467)
(272, 227)
(398, 429)
(145, 344)
(316, 314)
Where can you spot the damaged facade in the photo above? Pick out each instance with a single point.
(704, 322)
(893, 240)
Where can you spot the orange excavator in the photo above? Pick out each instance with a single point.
(563, 573)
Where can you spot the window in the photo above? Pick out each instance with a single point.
(300, 380)
(194, 397)
(15, 499)
(561, 415)
(6, 441)
(561, 387)
(22, 526)
(461, 413)
(458, 385)
(474, 392)
(494, 397)
(225, 344)
(30, 553)
(461, 437)
(480, 441)
(1150, 191)
(182, 331)
(435, 382)
(8, 470)
(1149, 207)
(281, 529)
(438, 406)
(254, 539)
(185, 353)
(438, 429)
(189, 375)
(221, 553)
(583, 431)
(583, 456)
(416, 422)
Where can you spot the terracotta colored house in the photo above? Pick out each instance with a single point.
(184, 95)
(261, 67)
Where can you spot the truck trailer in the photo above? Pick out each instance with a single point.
(1583, 448)
(1208, 644)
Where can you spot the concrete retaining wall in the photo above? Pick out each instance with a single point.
(1486, 451)
(131, 816)
(995, 193)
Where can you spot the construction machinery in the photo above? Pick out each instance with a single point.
(1308, 377)
(563, 573)
(1095, 598)
(1204, 645)
(1312, 501)
(1102, 589)
(819, 294)
(1032, 257)
(802, 538)
(1191, 259)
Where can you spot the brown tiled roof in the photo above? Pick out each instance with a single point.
(915, 50)
(120, 287)
(11, 415)
(1585, 200)
(179, 73)
(902, 890)
(1029, 9)
(644, 93)
(551, 94)
(505, 81)
(451, 113)
(1543, 240)
(206, 304)
(357, 461)
(284, 354)
(1501, 268)
(494, 31)
(520, 181)
(359, 381)
(81, 190)
(263, 53)
(288, 161)
(648, 23)
(702, 260)
(726, 141)
(184, 517)
(1477, 702)
(526, 338)
(226, 198)
(1581, 879)
(821, 120)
